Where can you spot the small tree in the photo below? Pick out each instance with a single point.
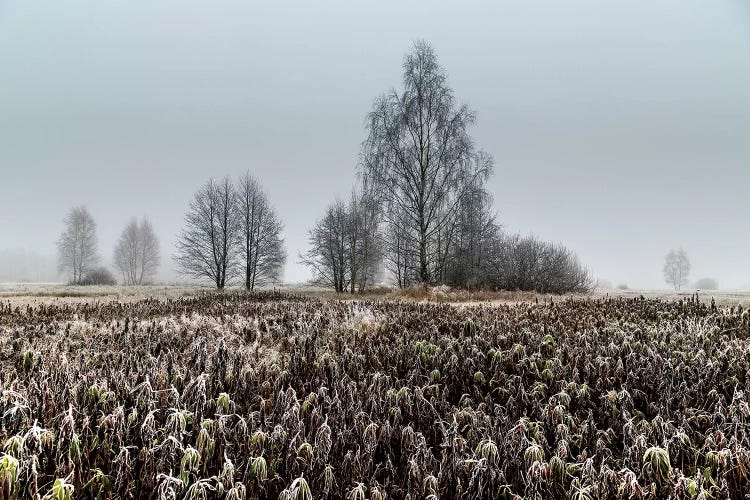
(676, 268)
(345, 245)
(204, 248)
(77, 246)
(137, 252)
(400, 249)
(261, 246)
(363, 240)
(471, 241)
(328, 256)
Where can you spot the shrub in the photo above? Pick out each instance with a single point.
(527, 263)
(99, 276)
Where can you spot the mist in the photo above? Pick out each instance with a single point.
(619, 130)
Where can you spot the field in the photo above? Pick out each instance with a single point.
(299, 396)
(56, 293)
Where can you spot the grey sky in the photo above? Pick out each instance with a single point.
(618, 128)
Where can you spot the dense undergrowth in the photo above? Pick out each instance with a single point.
(272, 396)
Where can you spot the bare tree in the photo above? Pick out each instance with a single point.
(420, 159)
(204, 248)
(676, 268)
(260, 242)
(136, 253)
(77, 246)
(401, 253)
(363, 240)
(467, 257)
(328, 256)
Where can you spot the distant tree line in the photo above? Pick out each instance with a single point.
(706, 284)
(24, 266)
(422, 214)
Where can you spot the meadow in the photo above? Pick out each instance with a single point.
(279, 395)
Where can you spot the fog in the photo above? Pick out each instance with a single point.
(621, 130)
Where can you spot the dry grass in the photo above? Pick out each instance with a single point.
(268, 395)
(720, 297)
(445, 294)
(33, 294)
(50, 293)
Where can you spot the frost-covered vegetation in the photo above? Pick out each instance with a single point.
(278, 396)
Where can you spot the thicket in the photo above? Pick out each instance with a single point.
(99, 276)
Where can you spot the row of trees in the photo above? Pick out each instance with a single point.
(136, 254)
(422, 213)
(230, 230)
(349, 251)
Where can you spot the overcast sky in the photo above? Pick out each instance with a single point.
(621, 129)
